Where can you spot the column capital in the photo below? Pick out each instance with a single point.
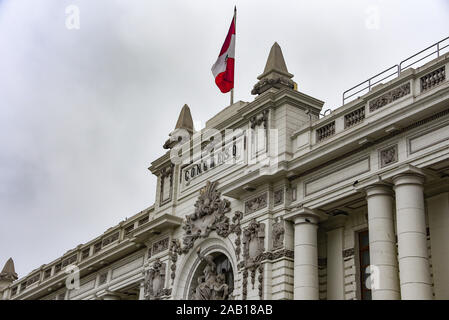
(376, 189)
(304, 215)
(408, 178)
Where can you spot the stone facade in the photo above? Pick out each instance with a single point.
(286, 218)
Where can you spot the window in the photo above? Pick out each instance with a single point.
(97, 247)
(47, 273)
(85, 253)
(364, 264)
(128, 229)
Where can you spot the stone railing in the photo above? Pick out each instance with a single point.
(433, 78)
(354, 117)
(325, 132)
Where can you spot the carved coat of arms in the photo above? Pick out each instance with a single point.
(210, 214)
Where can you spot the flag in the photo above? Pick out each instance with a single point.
(223, 68)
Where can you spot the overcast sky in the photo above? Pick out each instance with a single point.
(84, 112)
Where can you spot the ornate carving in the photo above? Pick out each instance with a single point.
(277, 82)
(211, 285)
(253, 242)
(389, 97)
(175, 250)
(278, 234)
(253, 253)
(237, 230)
(245, 284)
(256, 203)
(154, 281)
(166, 172)
(209, 215)
(259, 119)
(160, 246)
(260, 278)
(388, 156)
(278, 197)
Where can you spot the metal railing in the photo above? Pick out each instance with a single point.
(396, 70)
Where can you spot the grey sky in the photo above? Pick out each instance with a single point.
(84, 112)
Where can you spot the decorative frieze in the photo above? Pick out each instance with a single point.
(433, 78)
(278, 197)
(389, 97)
(256, 203)
(354, 117)
(160, 246)
(388, 156)
(325, 131)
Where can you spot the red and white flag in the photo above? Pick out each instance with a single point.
(223, 68)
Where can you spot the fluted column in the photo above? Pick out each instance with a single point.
(412, 240)
(382, 243)
(306, 258)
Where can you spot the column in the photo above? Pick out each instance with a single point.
(382, 243)
(142, 290)
(412, 243)
(306, 258)
(335, 263)
(438, 211)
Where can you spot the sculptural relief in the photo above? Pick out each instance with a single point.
(278, 234)
(209, 215)
(211, 284)
(155, 281)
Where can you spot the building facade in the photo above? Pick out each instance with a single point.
(273, 201)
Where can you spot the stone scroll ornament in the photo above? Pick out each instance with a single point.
(253, 254)
(154, 282)
(209, 215)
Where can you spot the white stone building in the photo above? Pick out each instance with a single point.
(292, 206)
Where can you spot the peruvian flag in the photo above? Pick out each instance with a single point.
(223, 68)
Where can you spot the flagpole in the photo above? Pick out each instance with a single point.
(235, 27)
